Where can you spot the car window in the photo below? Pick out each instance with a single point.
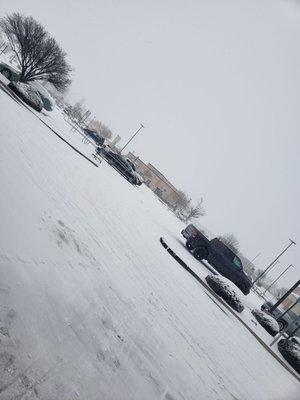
(237, 262)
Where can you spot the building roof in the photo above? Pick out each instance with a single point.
(161, 176)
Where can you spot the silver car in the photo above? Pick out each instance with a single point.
(288, 321)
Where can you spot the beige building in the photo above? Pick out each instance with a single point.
(291, 299)
(156, 181)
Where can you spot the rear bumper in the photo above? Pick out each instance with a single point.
(184, 234)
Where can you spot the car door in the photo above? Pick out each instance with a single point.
(216, 257)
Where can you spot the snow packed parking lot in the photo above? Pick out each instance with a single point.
(91, 305)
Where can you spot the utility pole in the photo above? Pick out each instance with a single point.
(273, 262)
(282, 273)
(133, 136)
(253, 259)
(284, 297)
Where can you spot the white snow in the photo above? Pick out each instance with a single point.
(4, 80)
(91, 305)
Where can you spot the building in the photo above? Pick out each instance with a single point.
(157, 182)
(290, 300)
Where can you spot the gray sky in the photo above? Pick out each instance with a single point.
(216, 82)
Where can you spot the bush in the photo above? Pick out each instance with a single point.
(291, 353)
(266, 321)
(226, 290)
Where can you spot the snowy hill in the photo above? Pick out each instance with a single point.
(91, 306)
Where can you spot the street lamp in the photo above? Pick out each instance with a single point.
(141, 127)
(274, 261)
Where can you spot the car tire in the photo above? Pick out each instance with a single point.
(243, 288)
(200, 253)
(189, 246)
(6, 73)
(281, 324)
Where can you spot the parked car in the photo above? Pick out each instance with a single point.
(287, 321)
(33, 93)
(120, 164)
(95, 136)
(223, 259)
(28, 94)
(9, 72)
(140, 179)
(48, 101)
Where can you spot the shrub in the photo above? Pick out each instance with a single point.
(266, 321)
(291, 352)
(226, 290)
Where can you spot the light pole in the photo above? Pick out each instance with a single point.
(253, 259)
(274, 265)
(284, 297)
(282, 273)
(133, 136)
(274, 261)
(257, 255)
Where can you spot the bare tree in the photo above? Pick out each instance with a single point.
(101, 128)
(39, 55)
(76, 111)
(279, 292)
(195, 211)
(230, 241)
(182, 200)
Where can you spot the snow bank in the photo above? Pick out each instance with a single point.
(4, 80)
(266, 321)
(227, 290)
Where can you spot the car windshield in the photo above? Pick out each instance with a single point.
(131, 164)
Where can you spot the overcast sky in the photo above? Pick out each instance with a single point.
(217, 84)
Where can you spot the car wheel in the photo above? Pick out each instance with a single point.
(200, 253)
(188, 245)
(6, 73)
(244, 288)
(281, 324)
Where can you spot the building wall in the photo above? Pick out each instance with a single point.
(156, 181)
(291, 299)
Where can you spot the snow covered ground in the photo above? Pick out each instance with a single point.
(91, 305)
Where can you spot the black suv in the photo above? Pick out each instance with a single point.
(223, 259)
